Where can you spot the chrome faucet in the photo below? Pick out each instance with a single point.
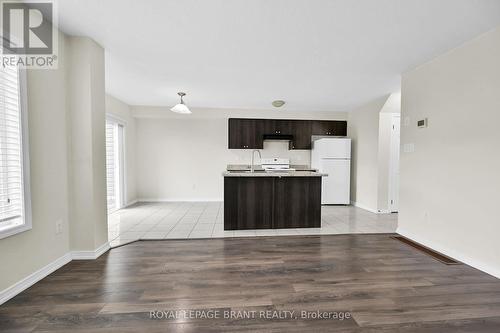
(252, 167)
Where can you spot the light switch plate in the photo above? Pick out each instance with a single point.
(59, 226)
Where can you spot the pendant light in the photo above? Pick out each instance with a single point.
(181, 107)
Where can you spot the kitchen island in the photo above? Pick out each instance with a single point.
(272, 200)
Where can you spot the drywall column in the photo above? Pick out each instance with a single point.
(369, 127)
(363, 129)
(86, 106)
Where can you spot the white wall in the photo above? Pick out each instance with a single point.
(121, 111)
(66, 136)
(182, 157)
(363, 128)
(450, 184)
(369, 126)
(86, 135)
(24, 253)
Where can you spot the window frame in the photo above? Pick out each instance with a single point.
(122, 157)
(7, 231)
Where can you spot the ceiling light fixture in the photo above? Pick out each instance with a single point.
(181, 107)
(278, 103)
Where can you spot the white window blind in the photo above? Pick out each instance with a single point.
(11, 157)
(114, 164)
(111, 157)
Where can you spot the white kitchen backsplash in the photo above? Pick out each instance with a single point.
(272, 148)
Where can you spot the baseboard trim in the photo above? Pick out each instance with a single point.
(450, 253)
(356, 204)
(33, 278)
(130, 203)
(45, 271)
(180, 200)
(90, 255)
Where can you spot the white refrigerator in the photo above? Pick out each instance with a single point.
(333, 157)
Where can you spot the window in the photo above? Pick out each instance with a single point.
(15, 207)
(114, 164)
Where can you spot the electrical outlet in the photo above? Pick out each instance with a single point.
(59, 226)
(408, 148)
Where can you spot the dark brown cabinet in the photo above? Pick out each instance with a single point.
(301, 131)
(248, 203)
(251, 133)
(334, 128)
(245, 134)
(282, 127)
(272, 202)
(297, 202)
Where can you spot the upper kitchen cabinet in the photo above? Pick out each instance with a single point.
(329, 127)
(281, 127)
(245, 134)
(301, 132)
(275, 128)
(251, 133)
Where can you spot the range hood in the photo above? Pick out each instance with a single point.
(284, 137)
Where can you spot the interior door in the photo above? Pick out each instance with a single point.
(336, 186)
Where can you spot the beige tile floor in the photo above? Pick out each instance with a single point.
(182, 220)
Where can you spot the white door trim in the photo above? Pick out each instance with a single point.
(393, 201)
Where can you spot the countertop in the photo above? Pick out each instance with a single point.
(243, 167)
(273, 174)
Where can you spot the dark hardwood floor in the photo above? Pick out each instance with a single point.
(386, 285)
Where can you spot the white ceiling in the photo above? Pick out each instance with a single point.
(315, 54)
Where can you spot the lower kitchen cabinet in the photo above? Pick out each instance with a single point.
(297, 202)
(272, 202)
(248, 203)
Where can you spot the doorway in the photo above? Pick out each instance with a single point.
(115, 172)
(394, 163)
